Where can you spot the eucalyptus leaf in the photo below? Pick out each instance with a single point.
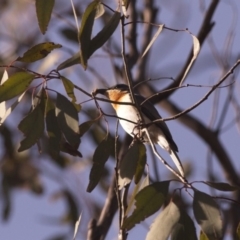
(38, 52)
(15, 85)
(100, 157)
(67, 117)
(148, 201)
(44, 10)
(207, 214)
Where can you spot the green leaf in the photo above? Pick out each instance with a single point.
(95, 43)
(203, 236)
(44, 10)
(142, 159)
(100, 157)
(75, 59)
(184, 229)
(105, 33)
(67, 117)
(38, 52)
(222, 186)
(164, 223)
(15, 85)
(85, 31)
(69, 87)
(128, 165)
(84, 127)
(32, 126)
(148, 201)
(207, 214)
(53, 130)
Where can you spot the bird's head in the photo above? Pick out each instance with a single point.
(113, 93)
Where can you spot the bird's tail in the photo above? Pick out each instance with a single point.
(177, 162)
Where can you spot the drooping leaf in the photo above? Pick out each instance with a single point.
(207, 214)
(53, 130)
(44, 10)
(148, 201)
(105, 33)
(38, 52)
(67, 148)
(15, 85)
(139, 186)
(128, 164)
(160, 28)
(67, 117)
(164, 223)
(142, 159)
(222, 186)
(3, 108)
(84, 127)
(196, 49)
(32, 126)
(85, 31)
(69, 88)
(184, 229)
(100, 157)
(95, 43)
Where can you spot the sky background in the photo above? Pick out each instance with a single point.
(37, 217)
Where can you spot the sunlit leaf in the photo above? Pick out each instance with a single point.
(196, 49)
(67, 117)
(77, 224)
(44, 10)
(148, 201)
(99, 11)
(238, 231)
(38, 52)
(207, 214)
(32, 126)
(160, 28)
(100, 157)
(203, 236)
(125, 4)
(184, 229)
(3, 104)
(85, 31)
(69, 88)
(53, 130)
(15, 85)
(164, 223)
(222, 186)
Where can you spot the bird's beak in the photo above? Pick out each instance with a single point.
(100, 91)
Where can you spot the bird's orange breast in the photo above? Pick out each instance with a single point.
(117, 96)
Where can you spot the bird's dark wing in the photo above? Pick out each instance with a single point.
(151, 112)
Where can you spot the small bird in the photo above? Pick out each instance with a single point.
(130, 120)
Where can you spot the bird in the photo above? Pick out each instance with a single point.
(130, 119)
